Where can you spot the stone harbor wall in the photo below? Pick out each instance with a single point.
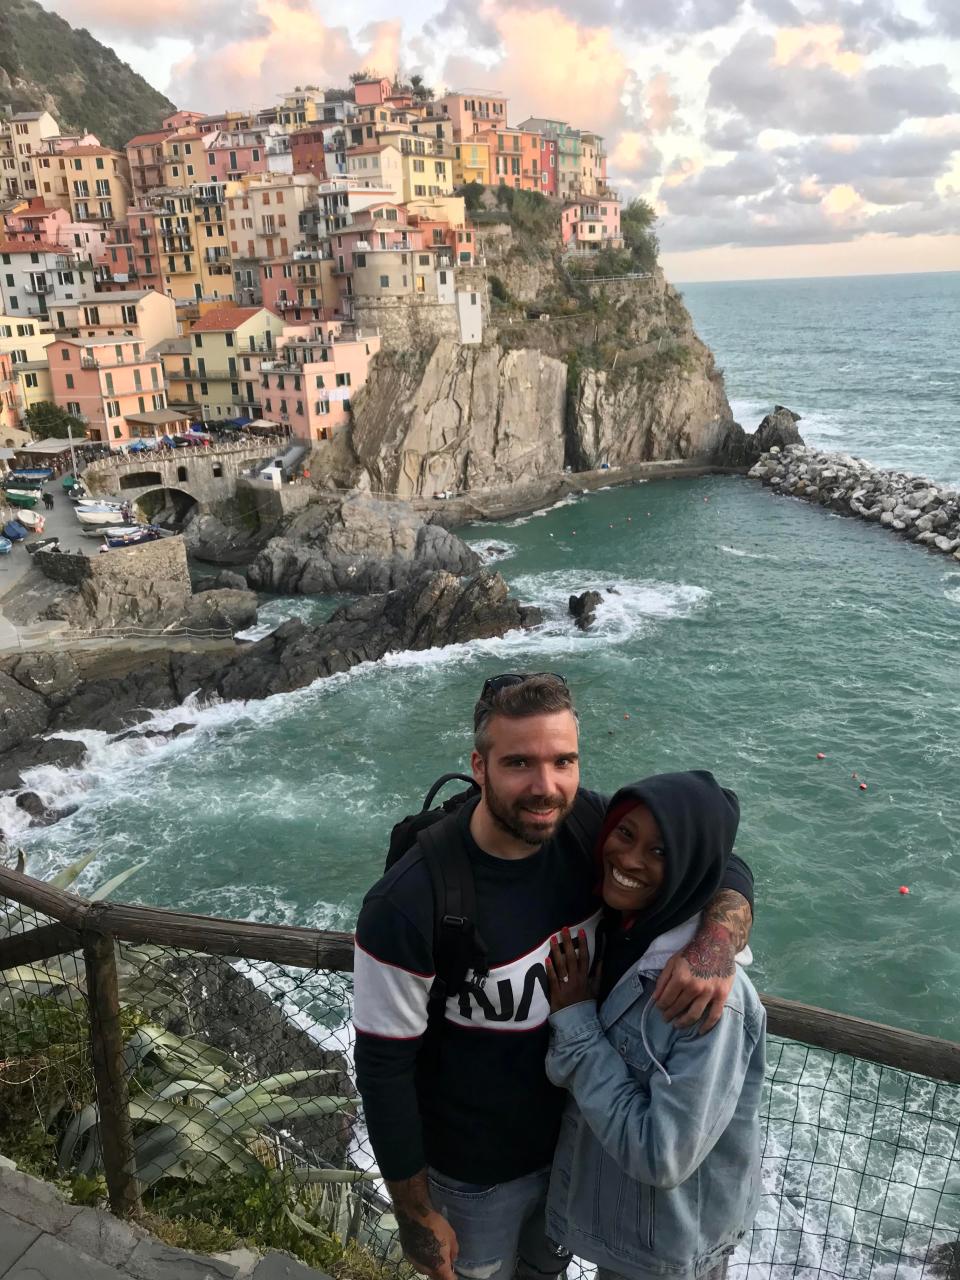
(918, 509)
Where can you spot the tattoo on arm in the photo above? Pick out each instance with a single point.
(411, 1203)
(731, 911)
(710, 955)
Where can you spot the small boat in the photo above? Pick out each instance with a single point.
(43, 544)
(100, 515)
(33, 520)
(131, 535)
(6, 546)
(69, 482)
(14, 530)
(27, 483)
(33, 473)
(18, 499)
(77, 493)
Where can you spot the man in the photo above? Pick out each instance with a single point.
(463, 1121)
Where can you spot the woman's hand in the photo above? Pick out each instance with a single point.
(568, 971)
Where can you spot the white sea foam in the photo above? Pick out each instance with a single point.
(111, 766)
(493, 550)
(570, 500)
(271, 614)
(747, 555)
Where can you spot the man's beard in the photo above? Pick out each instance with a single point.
(510, 816)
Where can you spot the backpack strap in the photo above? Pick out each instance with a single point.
(577, 820)
(442, 782)
(457, 947)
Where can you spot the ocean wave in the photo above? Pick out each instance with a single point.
(272, 613)
(493, 550)
(570, 500)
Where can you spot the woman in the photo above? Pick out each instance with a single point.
(657, 1170)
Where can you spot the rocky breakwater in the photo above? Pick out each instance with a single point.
(43, 693)
(356, 545)
(918, 509)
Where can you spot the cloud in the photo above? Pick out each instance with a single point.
(295, 46)
(946, 16)
(145, 23)
(866, 24)
(807, 96)
(646, 17)
(551, 66)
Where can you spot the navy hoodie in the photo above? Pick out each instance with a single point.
(698, 822)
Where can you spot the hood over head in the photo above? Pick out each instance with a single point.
(698, 820)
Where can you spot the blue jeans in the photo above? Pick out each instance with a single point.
(501, 1229)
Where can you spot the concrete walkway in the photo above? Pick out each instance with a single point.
(42, 1237)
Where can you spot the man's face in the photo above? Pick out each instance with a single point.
(530, 773)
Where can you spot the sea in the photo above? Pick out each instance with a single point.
(800, 656)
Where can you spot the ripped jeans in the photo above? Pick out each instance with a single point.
(501, 1229)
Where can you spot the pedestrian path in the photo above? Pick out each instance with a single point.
(42, 1237)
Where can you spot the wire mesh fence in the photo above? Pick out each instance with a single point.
(244, 1113)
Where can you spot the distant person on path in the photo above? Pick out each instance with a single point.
(48, 501)
(657, 1170)
(461, 1116)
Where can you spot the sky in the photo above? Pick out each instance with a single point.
(775, 138)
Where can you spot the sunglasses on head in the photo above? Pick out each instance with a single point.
(496, 683)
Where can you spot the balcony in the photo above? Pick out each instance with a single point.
(37, 287)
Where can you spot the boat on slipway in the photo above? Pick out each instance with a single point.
(6, 546)
(20, 498)
(95, 514)
(130, 535)
(33, 520)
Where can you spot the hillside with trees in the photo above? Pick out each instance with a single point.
(47, 65)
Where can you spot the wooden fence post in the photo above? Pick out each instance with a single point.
(106, 1041)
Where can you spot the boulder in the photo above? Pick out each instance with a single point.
(584, 607)
(778, 430)
(23, 713)
(358, 545)
(41, 815)
(220, 610)
(62, 753)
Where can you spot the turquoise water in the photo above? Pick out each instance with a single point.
(748, 633)
(870, 362)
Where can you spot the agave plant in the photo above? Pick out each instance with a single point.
(192, 1119)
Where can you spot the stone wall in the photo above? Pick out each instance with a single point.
(127, 585)
(406, 324)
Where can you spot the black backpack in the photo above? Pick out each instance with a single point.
(457, 944)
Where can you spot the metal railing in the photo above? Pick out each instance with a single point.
(219, 1049)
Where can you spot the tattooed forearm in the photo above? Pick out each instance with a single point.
(710, 954)
(413, 1209)
(731, 911)
(420, 1245)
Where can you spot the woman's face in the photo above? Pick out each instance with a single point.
(634, 860)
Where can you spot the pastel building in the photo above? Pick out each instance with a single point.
(99, 183)
(515, 158)
(591, 224)
(26, 132)
(263, 213)
(145, 158)
(471, 161)
(301, 286)
(10, 407)
(34, 220)
(37, 276)
(136, 313)
(104, 382)
(308, 386)
(472, 111)
(230, 156)
(378, 165)
(308, 151)
(222, 373)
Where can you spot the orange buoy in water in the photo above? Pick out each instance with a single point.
(821, 756)
(904, 890)
(863, 786)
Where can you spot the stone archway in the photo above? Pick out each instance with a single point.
(169, 508)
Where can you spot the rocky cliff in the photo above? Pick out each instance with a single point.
(592, 371)
(356, 545)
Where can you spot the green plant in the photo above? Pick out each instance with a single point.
(46, 420)
(499, 291)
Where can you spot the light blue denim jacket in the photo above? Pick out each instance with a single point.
(657, 1170)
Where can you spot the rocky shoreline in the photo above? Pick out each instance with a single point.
(42, 693)
(914, 507)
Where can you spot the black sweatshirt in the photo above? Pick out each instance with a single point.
(472, 1101)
